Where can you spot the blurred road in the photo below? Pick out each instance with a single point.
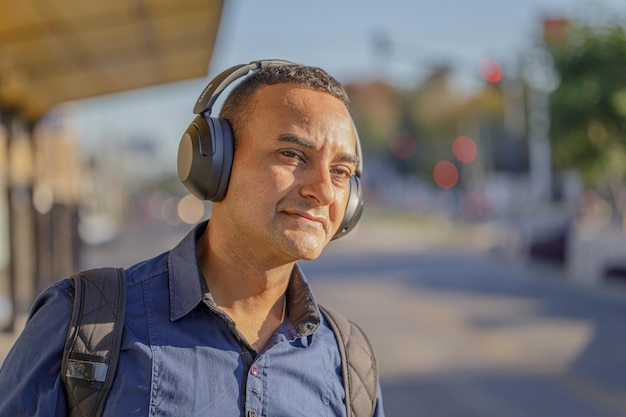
(461, 333)
(461, 327)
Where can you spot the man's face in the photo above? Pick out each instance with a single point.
(291, 173)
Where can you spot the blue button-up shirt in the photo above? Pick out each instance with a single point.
(181, 355)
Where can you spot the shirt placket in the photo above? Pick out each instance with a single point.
(255, 388)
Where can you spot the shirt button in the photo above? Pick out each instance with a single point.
(254, 370)
(252, 413)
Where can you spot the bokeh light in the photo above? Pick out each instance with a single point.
(491, 70)
(445, 174)
(464, 149)
(169, 211)
(190, 209)
(403, 145)
(475, 206)
(472, 205)
(43, 199)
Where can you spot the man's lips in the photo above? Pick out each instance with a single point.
(303, 215)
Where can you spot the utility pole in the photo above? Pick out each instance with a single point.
(542, 79)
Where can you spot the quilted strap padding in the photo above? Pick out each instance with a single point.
(360, 373)
(93, 339)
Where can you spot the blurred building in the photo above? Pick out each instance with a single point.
(52, 53)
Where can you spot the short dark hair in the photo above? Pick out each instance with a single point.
(239, 103)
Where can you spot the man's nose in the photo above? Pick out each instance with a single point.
(318, 184)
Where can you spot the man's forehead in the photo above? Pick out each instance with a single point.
(297, 108)
(296, 95)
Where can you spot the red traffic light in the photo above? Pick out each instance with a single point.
(491, 70)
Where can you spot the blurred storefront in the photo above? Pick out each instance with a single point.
(55, 52)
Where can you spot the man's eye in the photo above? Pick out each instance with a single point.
(341, 174)
(290, 154)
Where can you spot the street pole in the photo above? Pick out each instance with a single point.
(542, 80)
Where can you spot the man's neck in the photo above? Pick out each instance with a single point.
(252, 294)
(239, 275)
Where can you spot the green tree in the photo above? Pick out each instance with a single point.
(376, 108)
(588, 110)
(432, 114)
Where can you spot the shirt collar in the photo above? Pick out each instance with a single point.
(303, 311)
(185, 278)
(187, 286)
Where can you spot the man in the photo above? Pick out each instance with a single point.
(225, 324)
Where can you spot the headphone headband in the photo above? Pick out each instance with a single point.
(211, 92)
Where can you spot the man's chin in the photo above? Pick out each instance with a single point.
(307, 247)
(310, 257)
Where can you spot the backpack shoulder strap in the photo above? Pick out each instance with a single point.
(93, 339)
(360, 372)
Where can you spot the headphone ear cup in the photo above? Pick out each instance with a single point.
(354, 208)
(226, 150)
(205, 157)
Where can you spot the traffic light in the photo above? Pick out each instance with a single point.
(491, 71)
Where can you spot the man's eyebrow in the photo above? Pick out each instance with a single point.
(297, 140)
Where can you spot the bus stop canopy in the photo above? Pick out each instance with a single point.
(53, 51)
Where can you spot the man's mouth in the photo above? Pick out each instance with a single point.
(308, 217)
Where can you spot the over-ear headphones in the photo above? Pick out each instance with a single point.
(206, 150)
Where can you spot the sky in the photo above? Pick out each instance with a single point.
(339, 36)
